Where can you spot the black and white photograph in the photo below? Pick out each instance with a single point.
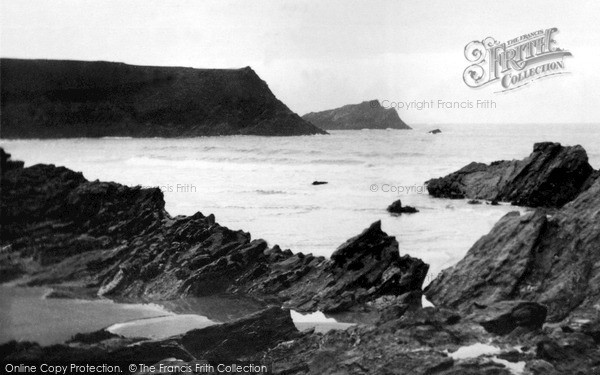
(299, 187)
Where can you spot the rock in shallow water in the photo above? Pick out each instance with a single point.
(550, 177)
(397, 208)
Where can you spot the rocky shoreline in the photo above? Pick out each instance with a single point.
(538, 257)
(550, 177)
(527, 291)
(116, 241)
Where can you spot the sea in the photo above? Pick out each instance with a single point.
(264, 185)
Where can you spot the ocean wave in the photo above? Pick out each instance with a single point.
(337, 161)
(269, 192)
(291, 207)
(149, 161)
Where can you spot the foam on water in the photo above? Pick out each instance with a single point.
(263, 185)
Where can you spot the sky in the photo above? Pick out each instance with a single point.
(318, 55)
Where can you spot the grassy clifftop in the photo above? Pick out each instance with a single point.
(58, 99)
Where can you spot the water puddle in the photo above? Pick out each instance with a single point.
(480, 349)
(26, 315)
(317, 320)
(161, 327)
(474, 351)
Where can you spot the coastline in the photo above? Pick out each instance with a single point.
(397, 301)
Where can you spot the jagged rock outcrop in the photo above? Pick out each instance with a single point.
(361, 270)
(550, 177)
(549, 259)
(366, 115)
(65, 99)
(105, 238)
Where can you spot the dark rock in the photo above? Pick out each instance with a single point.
(592, 329)
(484, 275)
(532, 257)
(511, 356)
(366, 115)
(246, 336)
(474, 201)
(429, 316)
(147, 352)
(229, 341)
(410, 301)
(93, 337)
(361, 270)
(117, 352)
(415, 343)
(434, 131)
(503, 317)
(319, 182)
(7, 164)
(397, 208)
(540, 367)
(355, 352)
(573, 353)
(119, 241)
(550, 350)
(85, 235)
(65, 99)
(550, 177)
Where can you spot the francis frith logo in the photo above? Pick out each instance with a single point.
(514, 63)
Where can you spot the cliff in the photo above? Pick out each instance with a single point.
(366, 115)
(550, 177)
(63, 99)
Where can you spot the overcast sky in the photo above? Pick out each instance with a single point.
(317, 55)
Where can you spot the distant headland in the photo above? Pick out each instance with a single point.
(66, 99)
(366, 115)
